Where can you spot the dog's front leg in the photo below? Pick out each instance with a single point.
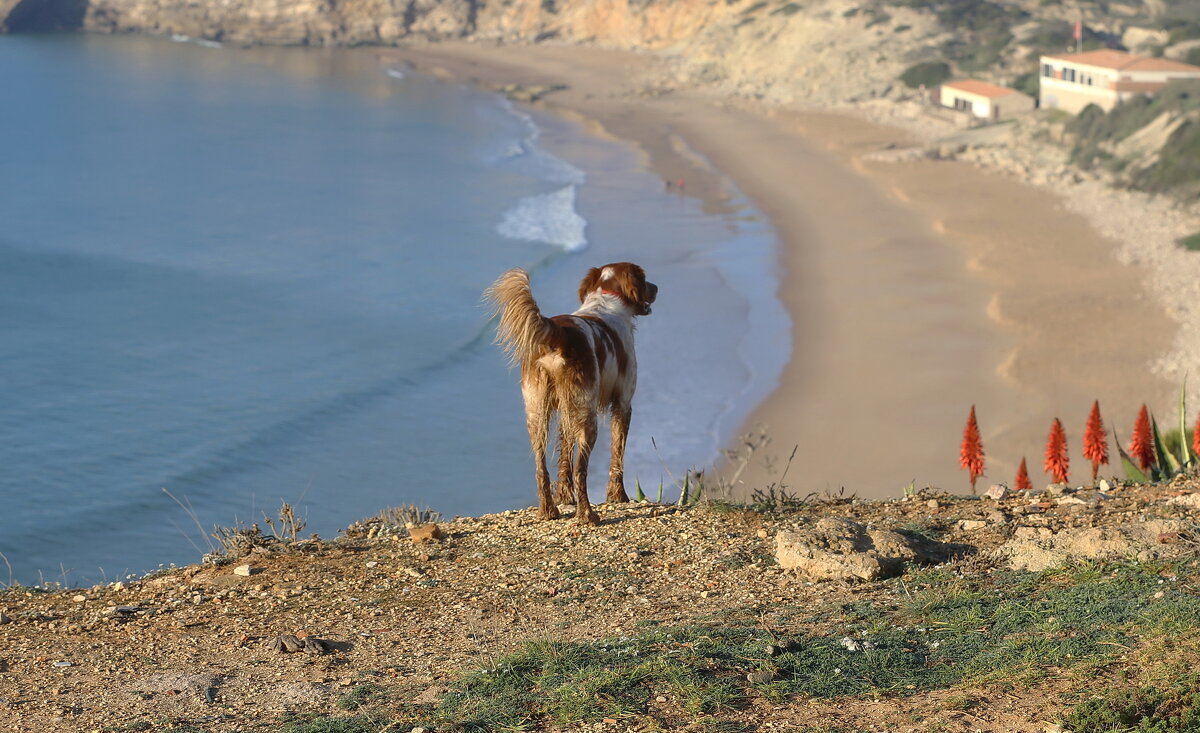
(616, 471)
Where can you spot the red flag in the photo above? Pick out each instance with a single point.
(1079, 30)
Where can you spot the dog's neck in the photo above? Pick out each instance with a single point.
(604, 302)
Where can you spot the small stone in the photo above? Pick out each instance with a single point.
(62, 664)
(373, 564)
(933, 504)
(997, 492)
(760, 677)
(418, 729)
(246, 570)
(80, 598)
(285, 644)
(762, 534)
(774, 651)
(1056, 489)
(4, 619)
(660, 698)
(426, 533)
(1105, 486)
(970, 525)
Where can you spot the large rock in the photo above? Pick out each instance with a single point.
(1040, 548)
(840, 549)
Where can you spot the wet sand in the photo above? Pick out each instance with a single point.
(917, 289)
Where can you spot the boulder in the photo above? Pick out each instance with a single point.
(1040, 548)
(1191, 501)
(840, 549)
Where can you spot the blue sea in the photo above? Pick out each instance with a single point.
(231, 278)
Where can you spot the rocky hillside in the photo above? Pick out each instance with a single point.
(810, 51)
(932, 612)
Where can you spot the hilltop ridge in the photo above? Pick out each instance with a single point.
(663, 617)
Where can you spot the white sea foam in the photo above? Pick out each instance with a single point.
(548, 217)
(524, 155)
(180, 38)
(395, 73)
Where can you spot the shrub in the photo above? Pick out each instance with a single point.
(928, 73)
(1191, 242)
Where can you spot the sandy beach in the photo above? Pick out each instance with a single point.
(917, 288)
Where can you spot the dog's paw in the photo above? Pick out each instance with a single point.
(617, 496)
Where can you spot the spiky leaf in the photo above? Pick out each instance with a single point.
(1167, 462)
(1132, 472)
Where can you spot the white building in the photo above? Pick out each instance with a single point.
(1105, 77)
(983, 100)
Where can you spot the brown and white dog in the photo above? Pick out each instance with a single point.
(581, 365)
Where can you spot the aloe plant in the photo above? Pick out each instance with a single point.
(1168, 463)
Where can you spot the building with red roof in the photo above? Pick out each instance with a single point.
(983, 100)
(1105, 77)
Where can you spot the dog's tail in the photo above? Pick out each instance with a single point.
(523, 331)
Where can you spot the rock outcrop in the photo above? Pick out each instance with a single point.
(1041, 548)
(827, 52)
(840, 549)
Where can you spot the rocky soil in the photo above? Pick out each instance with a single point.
(201, 646)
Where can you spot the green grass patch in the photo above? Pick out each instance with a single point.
(1173, 708)
(1191, 242)
(942, 631)
(330, 724)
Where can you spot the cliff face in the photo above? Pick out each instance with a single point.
(825, 51)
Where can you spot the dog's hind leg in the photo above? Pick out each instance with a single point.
(586, 430)
(565, 489)
(537, 419)
(616, 471)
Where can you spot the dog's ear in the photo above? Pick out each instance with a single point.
(589, 283)
(630, 281)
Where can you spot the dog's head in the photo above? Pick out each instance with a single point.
(623, 279)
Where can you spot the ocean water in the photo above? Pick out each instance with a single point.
(231, 278)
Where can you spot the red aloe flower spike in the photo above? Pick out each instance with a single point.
(1196, 440)
(1095, 441)
(1142, 444)
(970, 455)
(1023, 483)
(1057, 462)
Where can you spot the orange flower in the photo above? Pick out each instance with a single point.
(1023, 483)
(1196, 439)
(1142, 444)
(970, 455)
(1095, 441)
(1057, 462)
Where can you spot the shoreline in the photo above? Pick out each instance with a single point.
(917, 288)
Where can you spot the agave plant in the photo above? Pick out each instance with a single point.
(1167, 463)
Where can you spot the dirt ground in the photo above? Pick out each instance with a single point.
(191, 646)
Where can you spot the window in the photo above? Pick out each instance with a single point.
(1048, 71)
(1068, 75)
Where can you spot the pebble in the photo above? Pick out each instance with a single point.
(997, 492)
(4, 619)
(62, 664)
(373, 564)
(970, 525)
(79, 598)
(246, 570)
(760, 677)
